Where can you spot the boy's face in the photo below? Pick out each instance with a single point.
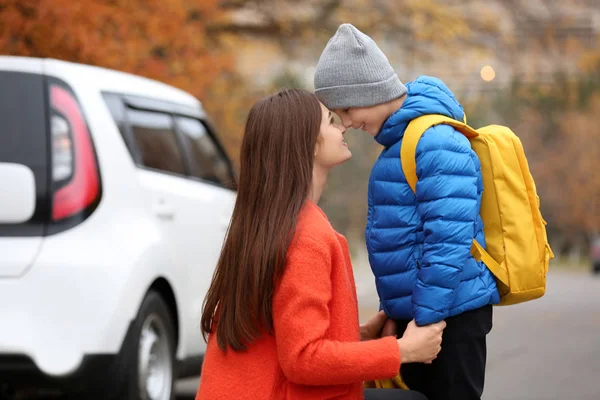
(369, 119)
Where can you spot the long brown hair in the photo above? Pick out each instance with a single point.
(276, 162)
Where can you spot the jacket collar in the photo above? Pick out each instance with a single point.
(426, 95)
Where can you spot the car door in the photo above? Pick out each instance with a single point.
(206, 217)
(168, 194)
(187, 179)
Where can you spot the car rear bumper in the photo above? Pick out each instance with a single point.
(18, 370)
(66, 307)
(96, 372)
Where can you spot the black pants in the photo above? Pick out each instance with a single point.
(392, 394)
(458, 372)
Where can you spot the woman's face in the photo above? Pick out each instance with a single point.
(331, 148)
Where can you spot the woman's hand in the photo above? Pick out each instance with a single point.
(371, 329)
(421, 343)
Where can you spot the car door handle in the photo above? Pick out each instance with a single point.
(163, 210)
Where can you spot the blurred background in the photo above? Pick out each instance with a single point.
(533, 65)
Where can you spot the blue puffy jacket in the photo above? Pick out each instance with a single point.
(419, 245)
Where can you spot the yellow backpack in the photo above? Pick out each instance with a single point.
(517, 246)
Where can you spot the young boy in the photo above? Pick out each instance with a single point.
(419, 245)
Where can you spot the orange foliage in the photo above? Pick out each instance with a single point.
(568, 169)
(160, 39)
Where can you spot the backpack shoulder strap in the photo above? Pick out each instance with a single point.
(416, 128)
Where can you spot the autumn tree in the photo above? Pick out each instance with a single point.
(163, 40)
(158, 39)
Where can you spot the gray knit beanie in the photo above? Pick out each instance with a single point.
(354, 72)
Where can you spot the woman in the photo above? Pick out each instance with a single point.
(281, 314)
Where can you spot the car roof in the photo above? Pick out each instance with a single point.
(104, 79)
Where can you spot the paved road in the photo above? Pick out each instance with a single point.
(548, 349)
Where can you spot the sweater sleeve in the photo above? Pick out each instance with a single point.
(301, 320)
(447, 204)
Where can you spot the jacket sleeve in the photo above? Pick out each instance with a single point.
(446, 195)
(301, 320)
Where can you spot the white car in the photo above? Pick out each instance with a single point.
(116, 197)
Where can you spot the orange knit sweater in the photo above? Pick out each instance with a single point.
(316, 352)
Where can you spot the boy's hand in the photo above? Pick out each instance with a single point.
(370, 330)
(389, 329)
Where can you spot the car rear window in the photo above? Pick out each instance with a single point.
(23, 140)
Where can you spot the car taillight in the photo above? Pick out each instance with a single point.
(62, 149)
(74, 166)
